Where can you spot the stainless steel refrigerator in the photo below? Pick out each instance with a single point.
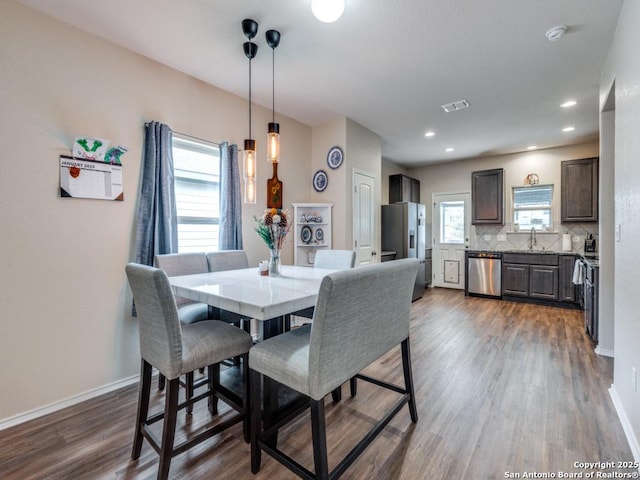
(403, 232)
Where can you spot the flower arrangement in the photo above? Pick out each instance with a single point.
(273, 226)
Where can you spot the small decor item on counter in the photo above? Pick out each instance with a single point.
(531, 179)
(273, 226)
(590, 244)
(263, 268)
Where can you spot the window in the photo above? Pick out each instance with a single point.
(196, 168)
(452, 222)
(532, 207)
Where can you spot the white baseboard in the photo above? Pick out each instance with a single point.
(626, 426)
(605, 352)
(67, 402)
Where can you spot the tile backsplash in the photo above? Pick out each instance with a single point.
(499, 237)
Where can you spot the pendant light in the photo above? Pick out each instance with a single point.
(250, 29)
(327, 11)
(273, 132)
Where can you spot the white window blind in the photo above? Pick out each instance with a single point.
(532, 207)
(197, 184)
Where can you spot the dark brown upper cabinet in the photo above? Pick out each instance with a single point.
(403, 189)
(487, 197)
(579, 194)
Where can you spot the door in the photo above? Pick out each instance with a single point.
(364, 227)
(451, 228)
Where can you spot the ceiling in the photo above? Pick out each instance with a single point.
(387, 65)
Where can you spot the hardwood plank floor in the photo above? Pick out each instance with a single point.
(501, 387)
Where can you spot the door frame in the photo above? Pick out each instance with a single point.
(375, 215)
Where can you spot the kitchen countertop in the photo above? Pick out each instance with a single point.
(590, 258)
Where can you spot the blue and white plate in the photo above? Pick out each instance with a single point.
(319, 235)
(320, 181)
(335, 157)
(306, 234)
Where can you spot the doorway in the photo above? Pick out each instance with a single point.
(451, 227)
(364, 226)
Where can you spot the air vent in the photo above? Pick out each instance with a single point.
(453, 106)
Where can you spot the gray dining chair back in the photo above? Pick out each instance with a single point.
(336, 259)
(360, 315)
(175, 264)
(227, 260)
(176, 349)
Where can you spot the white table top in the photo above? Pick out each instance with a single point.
(249, 294)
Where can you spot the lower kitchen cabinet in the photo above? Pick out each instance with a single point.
(538, 278)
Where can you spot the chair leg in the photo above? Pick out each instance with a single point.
(168, 428)
(408, 379)
(143, 407)
(213, 382)
(319, 436)
(336, 394)
(161, 381)
(246, 399)
(255, 418)
(189, 391)
(353, 386)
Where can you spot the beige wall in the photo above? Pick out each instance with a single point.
(623, 68)
(64, 314)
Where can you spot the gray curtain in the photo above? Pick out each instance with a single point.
(157, 229)
(230, 235)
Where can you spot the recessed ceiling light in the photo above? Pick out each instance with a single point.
(568, 129)
(450, 149)
(430, 133)
(327, 11)
(568, 103)
(532, 147)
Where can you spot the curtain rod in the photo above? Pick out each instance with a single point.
(189, 136)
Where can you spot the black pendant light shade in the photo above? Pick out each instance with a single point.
(273, 38)
(249, 28)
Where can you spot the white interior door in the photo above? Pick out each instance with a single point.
(364, 227)
(451, 228)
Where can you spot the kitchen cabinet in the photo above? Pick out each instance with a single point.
(403, 188)
(534, 277)
(590, 293)
(311, 230)
(567, 290)
(579, 190)
(487, 197)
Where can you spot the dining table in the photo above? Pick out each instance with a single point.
(268, 299)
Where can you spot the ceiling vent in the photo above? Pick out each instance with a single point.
(453, 106)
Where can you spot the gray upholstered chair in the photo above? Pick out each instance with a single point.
(175, 264)
(360, 315)
(175, 348)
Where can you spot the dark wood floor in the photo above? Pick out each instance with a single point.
(501, 387)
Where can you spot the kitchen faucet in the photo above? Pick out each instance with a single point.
(532, 238)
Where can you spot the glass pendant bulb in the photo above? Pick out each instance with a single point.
(249, 167)
(273, 142)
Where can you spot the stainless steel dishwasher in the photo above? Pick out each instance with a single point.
(484, 274)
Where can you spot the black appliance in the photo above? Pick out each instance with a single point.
(403, 232)
(590, 244)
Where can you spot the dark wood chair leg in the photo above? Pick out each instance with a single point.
(189, 391)
(246, 399)
(319, 436)
(336, 394)
(168, 428)
(143, 407)
(256, 419)
(161, 381)
(353, 386)
(408, 380)
(213, 382)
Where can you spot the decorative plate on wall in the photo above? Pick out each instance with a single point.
(320, 181)
(335, 157)
(306, 234)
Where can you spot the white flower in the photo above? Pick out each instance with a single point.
(275, 219)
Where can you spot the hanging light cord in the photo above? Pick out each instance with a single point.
(273, 84)
(250, 98)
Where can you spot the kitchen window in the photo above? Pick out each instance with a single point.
(196, 167)
(532, 207)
